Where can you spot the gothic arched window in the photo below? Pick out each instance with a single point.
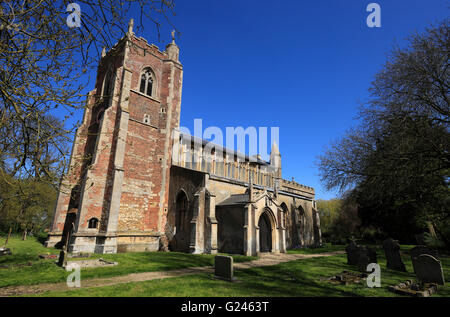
(107, 85)
(107, 88)
(147, 82)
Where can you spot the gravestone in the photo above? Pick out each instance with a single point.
(428, 269)
(360, 256)
(352, 251)
(223, 267)
(422, 249)
(363, 261)
(393, 256)
(366, 256)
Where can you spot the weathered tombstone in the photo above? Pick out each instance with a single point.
(428, 269)
(223, 267)
(363, 261)
(422, 249)
(366, 256)
(360, 256)
(393, 256)
(352, 251)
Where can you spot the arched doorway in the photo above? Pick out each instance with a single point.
(265, 233)
(182, 229)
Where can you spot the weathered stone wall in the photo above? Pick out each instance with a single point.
(223, 189)
(299, 221)
(187, 181)
(90, 157)
(121, 170)
(125, 184)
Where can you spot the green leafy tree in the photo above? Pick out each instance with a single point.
(329, 212)
(26, 205)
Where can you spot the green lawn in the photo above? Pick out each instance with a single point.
(297, 278)
(328, 247)
(18, 272)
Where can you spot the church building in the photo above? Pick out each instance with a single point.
(136, 183)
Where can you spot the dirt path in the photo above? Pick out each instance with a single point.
(264, 260)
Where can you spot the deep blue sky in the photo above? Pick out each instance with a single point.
(302, 66)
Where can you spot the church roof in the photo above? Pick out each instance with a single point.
(253, 159)
(238, 199)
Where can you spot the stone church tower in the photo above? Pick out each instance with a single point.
(136, 183)
(121, 158)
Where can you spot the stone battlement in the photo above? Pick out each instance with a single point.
(296, 186)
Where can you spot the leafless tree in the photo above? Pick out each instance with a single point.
(43, 72)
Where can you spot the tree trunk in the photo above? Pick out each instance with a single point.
(9, 234)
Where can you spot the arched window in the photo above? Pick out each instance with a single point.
(147, 82)
(284, 215)
(107, 88)
(107, 85)
(93, 223)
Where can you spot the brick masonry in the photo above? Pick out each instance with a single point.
(121, 170)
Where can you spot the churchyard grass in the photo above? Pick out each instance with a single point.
(296, 278)
(327, 247)
(15, 269)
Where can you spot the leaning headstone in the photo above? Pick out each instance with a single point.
(363, 261)
(393, 256)
(360, 256)
(419, 250)
(366, 256)
(352, 251)
(422, 249)
(428, 269)
(223, 267)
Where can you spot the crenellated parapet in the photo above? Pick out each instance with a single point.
(294, 187)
